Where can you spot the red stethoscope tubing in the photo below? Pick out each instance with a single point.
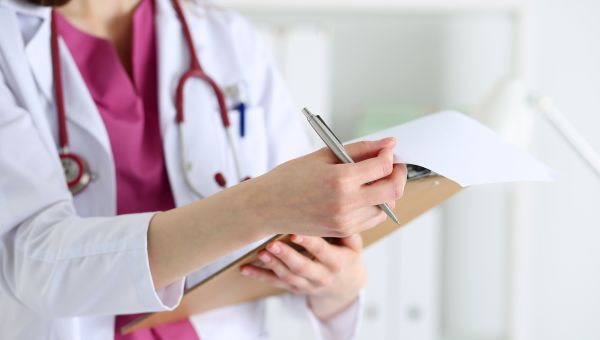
(63, 135)
(195, 70)
(77, 183)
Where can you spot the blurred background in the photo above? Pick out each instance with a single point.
(507, 262)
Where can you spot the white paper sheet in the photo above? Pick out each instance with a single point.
(463, 150)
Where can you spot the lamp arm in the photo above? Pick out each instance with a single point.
(565, 128)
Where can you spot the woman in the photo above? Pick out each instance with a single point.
(152, 167)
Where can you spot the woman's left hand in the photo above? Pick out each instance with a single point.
(331, 275)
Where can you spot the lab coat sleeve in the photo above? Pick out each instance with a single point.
(52, 261)
(342, 326)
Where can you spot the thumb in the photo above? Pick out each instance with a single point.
(360, 151)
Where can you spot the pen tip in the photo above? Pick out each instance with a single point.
(395, 219)
(306, 113)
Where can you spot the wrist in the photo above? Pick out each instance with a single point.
(332, 302)
(327, 307)
(247, 200)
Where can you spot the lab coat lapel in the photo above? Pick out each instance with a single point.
(19, 74)
(204, 150)
(40, 59)
(79, 104)
(81, 108)
(172, 62)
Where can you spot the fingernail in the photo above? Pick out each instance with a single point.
(297, 239)
(387, 140)
(273, 248)
(246, 272)
(264, 257)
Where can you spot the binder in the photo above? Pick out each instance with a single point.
(228, 287)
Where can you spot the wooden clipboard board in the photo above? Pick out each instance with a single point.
(228, 287)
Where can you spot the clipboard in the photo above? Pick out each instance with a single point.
(228, 287)
(461, 151)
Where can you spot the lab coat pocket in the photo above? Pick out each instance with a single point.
(210, 154)
(204, 145)
(250, 141)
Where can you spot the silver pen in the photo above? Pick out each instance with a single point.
(338, 149)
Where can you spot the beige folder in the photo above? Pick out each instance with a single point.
(229, 287)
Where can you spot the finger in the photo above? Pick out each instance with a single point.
(273, 263)
(354, 242)
(322, 250)
(385, 190)
(361, 219)
(392, 204)
(299, 264)
(372, 169)
(367, 218)
(266, 276)
(360, 151)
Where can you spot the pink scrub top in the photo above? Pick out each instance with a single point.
(129, 109)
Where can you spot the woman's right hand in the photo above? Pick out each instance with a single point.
(315, 195)
(312, 195)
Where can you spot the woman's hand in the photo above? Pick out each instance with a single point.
(311, 195)
(331, 275)
(315, 195)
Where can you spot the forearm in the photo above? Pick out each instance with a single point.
(311, 195)
(184, 239)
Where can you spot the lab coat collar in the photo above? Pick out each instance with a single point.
(25, 8)
(38, 47)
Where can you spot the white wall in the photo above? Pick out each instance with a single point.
(385, 63)
(564, 287)
(476, 55)
(559, 296)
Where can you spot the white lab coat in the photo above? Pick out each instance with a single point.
(67, 265)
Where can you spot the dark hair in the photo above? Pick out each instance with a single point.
(52, 3)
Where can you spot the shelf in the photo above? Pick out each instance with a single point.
(374, 5)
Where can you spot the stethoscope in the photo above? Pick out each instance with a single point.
(76, 169)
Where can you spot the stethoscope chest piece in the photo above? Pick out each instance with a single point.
(76, 172)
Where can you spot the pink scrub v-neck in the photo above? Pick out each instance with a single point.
(129, 109)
